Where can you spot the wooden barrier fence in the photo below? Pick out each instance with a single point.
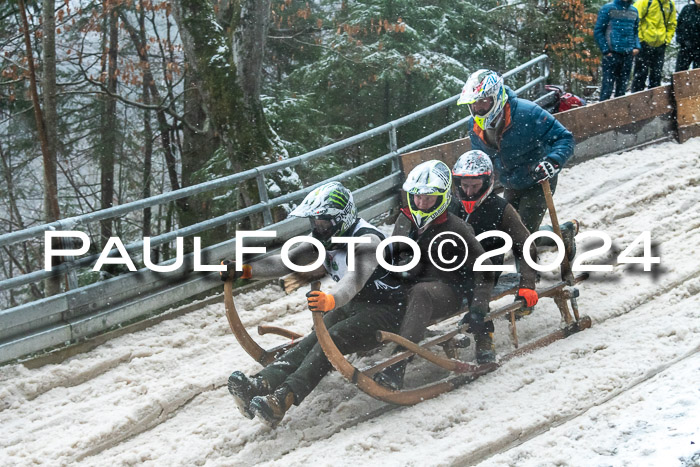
(616, 125)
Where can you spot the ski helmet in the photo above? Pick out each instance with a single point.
(331, 202)
(475, 165)
(429, 178)
(485, 95)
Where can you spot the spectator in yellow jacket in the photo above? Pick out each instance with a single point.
(688, 37)
(657, 25)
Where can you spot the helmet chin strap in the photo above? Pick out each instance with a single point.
(469, 206)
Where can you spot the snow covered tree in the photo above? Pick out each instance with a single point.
(389, 58)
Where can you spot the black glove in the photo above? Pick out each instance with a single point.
(545, 170)
(476, 323)
(230, 271)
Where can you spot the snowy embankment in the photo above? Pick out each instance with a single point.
(625, 392)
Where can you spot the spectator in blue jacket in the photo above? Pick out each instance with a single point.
(617, 34)
(526, 144)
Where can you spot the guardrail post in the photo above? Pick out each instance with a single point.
(542, 67)
(262, 192)
(72, 276)
(393, 147)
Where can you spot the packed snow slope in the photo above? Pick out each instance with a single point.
(625, 392)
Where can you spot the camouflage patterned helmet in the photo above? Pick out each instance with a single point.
(330, 202)
(477, 165)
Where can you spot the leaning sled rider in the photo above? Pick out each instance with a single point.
(526, 144)
(481, 208)
(363, 302)
(439, 285)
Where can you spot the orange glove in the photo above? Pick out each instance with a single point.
(320, 301)
(529, 295)
(232, 273)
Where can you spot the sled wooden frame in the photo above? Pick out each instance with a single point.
(466, 372)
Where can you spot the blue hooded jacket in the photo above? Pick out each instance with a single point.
(617, 27)
(530, 135)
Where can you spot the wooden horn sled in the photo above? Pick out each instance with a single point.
(563, 293)
(462, 372)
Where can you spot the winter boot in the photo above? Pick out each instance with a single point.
(568, 232)
(485, 350)
(271, 409)
(392, 377)
(244, 389)
(521, 313)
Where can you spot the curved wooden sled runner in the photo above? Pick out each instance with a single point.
(464, 372)
(259, 354)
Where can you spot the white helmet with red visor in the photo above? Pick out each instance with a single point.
(473, 176)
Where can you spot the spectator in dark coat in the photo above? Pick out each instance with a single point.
(688, 36)
(617, 35)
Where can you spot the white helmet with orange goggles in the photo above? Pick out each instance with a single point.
(486, 97)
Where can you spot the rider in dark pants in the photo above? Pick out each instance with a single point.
(439, 285)
(526, 144)
(365, 300)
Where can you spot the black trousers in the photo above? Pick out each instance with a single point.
(688, 56)
(616, 74)
(530, 203)
(648, 62)
(353, 328)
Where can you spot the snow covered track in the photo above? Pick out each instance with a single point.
(624, 392)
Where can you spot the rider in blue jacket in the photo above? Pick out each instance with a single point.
(526, 144)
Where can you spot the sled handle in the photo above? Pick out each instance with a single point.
(249, 345)
(566, 272)
(265, 329)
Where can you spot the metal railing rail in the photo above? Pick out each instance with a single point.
(88, 310)
(259, 172)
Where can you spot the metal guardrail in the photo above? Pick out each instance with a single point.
(88, 310)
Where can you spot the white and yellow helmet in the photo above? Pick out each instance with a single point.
(485, 84)
(429, 178)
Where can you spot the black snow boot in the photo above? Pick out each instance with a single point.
(244, 389)
(271, 408)
(568, 232)
(392, 377)
(485, 349)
